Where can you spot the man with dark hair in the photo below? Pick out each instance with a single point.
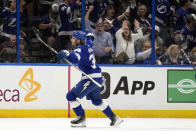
(142, 13)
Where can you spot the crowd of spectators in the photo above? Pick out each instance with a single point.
(122, 29)
(177, 24)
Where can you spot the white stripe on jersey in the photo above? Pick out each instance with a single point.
(94, 75)
(7, 35)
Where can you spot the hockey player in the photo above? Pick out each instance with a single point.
(83, 56)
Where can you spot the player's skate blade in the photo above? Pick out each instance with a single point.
(80, 121)
(115, 120)
(83, 124)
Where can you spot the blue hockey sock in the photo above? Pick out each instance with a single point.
(79, 110)
(108, 111)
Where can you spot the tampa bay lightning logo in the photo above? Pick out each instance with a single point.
(162, 9)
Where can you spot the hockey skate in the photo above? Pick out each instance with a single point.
(80, 121)
(115, 120)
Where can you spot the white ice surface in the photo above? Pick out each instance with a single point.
(95, 124)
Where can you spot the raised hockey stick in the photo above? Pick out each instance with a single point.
(36, 32)
(189, 61)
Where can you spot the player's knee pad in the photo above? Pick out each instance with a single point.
(70, 96)
(75, 103)
(103, 105)
(97, 102)
(72, 99)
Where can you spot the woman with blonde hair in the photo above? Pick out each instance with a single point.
(172, 56)
(125, 51)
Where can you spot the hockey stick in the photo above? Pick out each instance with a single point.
(189, 61)
(36, 32)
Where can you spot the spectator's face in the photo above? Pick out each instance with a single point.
(174, 52)
(126, 23)
(142, 11)
(188, 4)
(99, 28)
(13, 5)
(106, 24)
(127, 31)
(111, 12)
(13, 41)
(146, 45)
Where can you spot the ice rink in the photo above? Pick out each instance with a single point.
(101, 124)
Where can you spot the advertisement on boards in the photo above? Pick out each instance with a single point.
(181, 86)
(33, 87)
(131, 88)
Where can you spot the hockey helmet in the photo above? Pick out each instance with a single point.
(79, 35)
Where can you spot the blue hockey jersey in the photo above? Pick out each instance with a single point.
(9, 22)
(83, 56)
(66, 18)
(98, 11)
(162, 11)
(189, 36)
(180, 20)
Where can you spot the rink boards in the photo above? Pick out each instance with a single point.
(144, 92)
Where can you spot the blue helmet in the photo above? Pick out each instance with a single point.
(79, 35)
